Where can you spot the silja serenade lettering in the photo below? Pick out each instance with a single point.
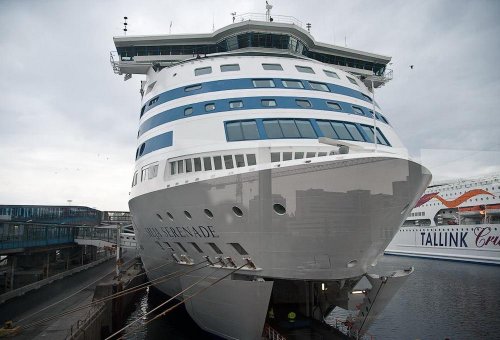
(182, 232)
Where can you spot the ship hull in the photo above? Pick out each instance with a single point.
(471, 243)
(338, 218)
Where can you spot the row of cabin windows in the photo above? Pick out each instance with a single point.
(269, 102)
(270, 67)
(264, 83)
(420, 213)
(212, 163)
(198, 249)
(288, 155)
(301, 128)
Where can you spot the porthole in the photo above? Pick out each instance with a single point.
(279, 209)
(237, 211)
(188, 215)
(159, 217)
(208, 213)
(170, 216)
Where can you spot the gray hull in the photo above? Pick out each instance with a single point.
(340, 216)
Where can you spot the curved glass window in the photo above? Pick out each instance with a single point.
(263, 83)
(319, 86)
(303, 103)
(203, 70)
(304, 69)
(358, 110)
(333, 105)
(331, 74)
(188, 111)
(230, 67)
(292, 84)
(268, 102)
(237, 104)
(272, 67)
(352, 80)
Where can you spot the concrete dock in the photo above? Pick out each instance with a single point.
(56, 298)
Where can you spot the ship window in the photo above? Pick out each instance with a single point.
(228, 161)
(299, 155)
(154, 100)
(352, 80)
(208, 213)
(292, 84)
(322, 154)
(366, 97)
(263, 83)
(333, 105)
(229, 67)
(275, 157)
(268, 102)
(150, 87)
(279, 209)
(209, 107)
(384, 119)
(237, 211)
(142, 110)
(304, 69)
(181, 247)
(170, 216)
(234, 132)
(240, 161)
(305, 128)
(273, 129)
(192, 88)
(249, 129)
(195, 246)
(341, 130)
(272, 67)
(289, 128)
(153, 171)
(310, 154)
(188, 111)
(180, 167)
(331, 74)
(203, 70)
(197, 164)
(251, 159)
(237, 104)
(207, 163)
(358, 110)
(369, 135)
(172, 168)
(327, 129)
(189, 165)
(303, 103)
(217, 162)
(354, 132)
(239, 248)
(215, 248)
(319, 86)
(187, 214)
(287, 156)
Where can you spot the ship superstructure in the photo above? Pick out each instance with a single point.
(255, 149)
(457, 220)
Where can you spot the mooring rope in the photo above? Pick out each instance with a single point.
(178, 304)
(146, 285)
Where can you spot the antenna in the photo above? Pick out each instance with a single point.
(308, 25)
(268, 11)
(125, 25)
(170, 28)
(234, 16)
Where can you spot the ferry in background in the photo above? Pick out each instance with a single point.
(263, 154)
(454, 221)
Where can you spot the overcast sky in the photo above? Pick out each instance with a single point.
(68, 125)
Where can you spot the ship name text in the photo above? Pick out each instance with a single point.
(182, 232)
(483, 238)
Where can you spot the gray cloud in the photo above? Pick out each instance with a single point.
(68, 124)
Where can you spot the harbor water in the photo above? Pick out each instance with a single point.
(441, 299)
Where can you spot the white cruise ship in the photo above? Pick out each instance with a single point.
(255, 149)
(459, 220)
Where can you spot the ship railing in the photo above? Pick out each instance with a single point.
(271, 334)
(113, 59)
(346, 328)
(262, 17)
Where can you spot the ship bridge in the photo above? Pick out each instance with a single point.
(248, 34)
